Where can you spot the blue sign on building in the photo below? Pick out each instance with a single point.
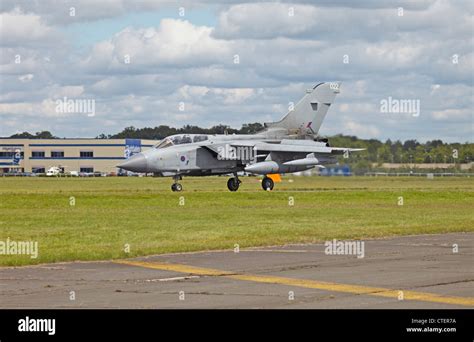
(16, 157)
(132, 146)
(336, 171)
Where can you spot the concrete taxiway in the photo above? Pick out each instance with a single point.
(424, 271)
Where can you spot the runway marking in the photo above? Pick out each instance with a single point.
(175, 267)
(276, 250)
(306, 283)
(173, 278)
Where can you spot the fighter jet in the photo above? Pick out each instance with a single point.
(289, 145)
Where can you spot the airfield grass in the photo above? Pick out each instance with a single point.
(110, 213)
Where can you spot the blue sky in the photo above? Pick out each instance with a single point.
(87, 33)
(145, 65)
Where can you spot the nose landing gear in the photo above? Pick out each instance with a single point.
(176, 187)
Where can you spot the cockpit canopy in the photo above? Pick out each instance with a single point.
(180, 139)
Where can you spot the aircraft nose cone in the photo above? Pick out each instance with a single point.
(137, 163)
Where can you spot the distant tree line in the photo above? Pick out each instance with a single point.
(407, 152)
(410, 151)
(160, 132)
(37, 135)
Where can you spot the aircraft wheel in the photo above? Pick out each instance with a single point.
(267, 184)
(233, 184)
(176, 187)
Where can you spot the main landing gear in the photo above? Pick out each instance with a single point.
(233, 183)
(176, 187)
(267, 183)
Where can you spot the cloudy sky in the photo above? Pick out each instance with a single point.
(148, 63)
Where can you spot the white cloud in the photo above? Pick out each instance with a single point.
(394, 53)
(18, 28)
(453, 114)
(26, 78)
(267, 20)
(66, 91)
(188, 92)
(58, 12)
(358, 107)
(360, 130)
(280, 56)
(173, 43)
(337, 21)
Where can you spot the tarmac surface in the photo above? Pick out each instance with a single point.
(423, 271)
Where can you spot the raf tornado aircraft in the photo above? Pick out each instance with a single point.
(289, 145)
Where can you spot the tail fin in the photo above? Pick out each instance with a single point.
(308, 114)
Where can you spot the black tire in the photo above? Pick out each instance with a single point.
(233, 184)
(176, 187)
(267, 184)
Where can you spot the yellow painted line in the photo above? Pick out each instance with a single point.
(357, 289)
(275, 250)
(306, 283)
(175, 268)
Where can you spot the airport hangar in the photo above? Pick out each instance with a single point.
(81, 155)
